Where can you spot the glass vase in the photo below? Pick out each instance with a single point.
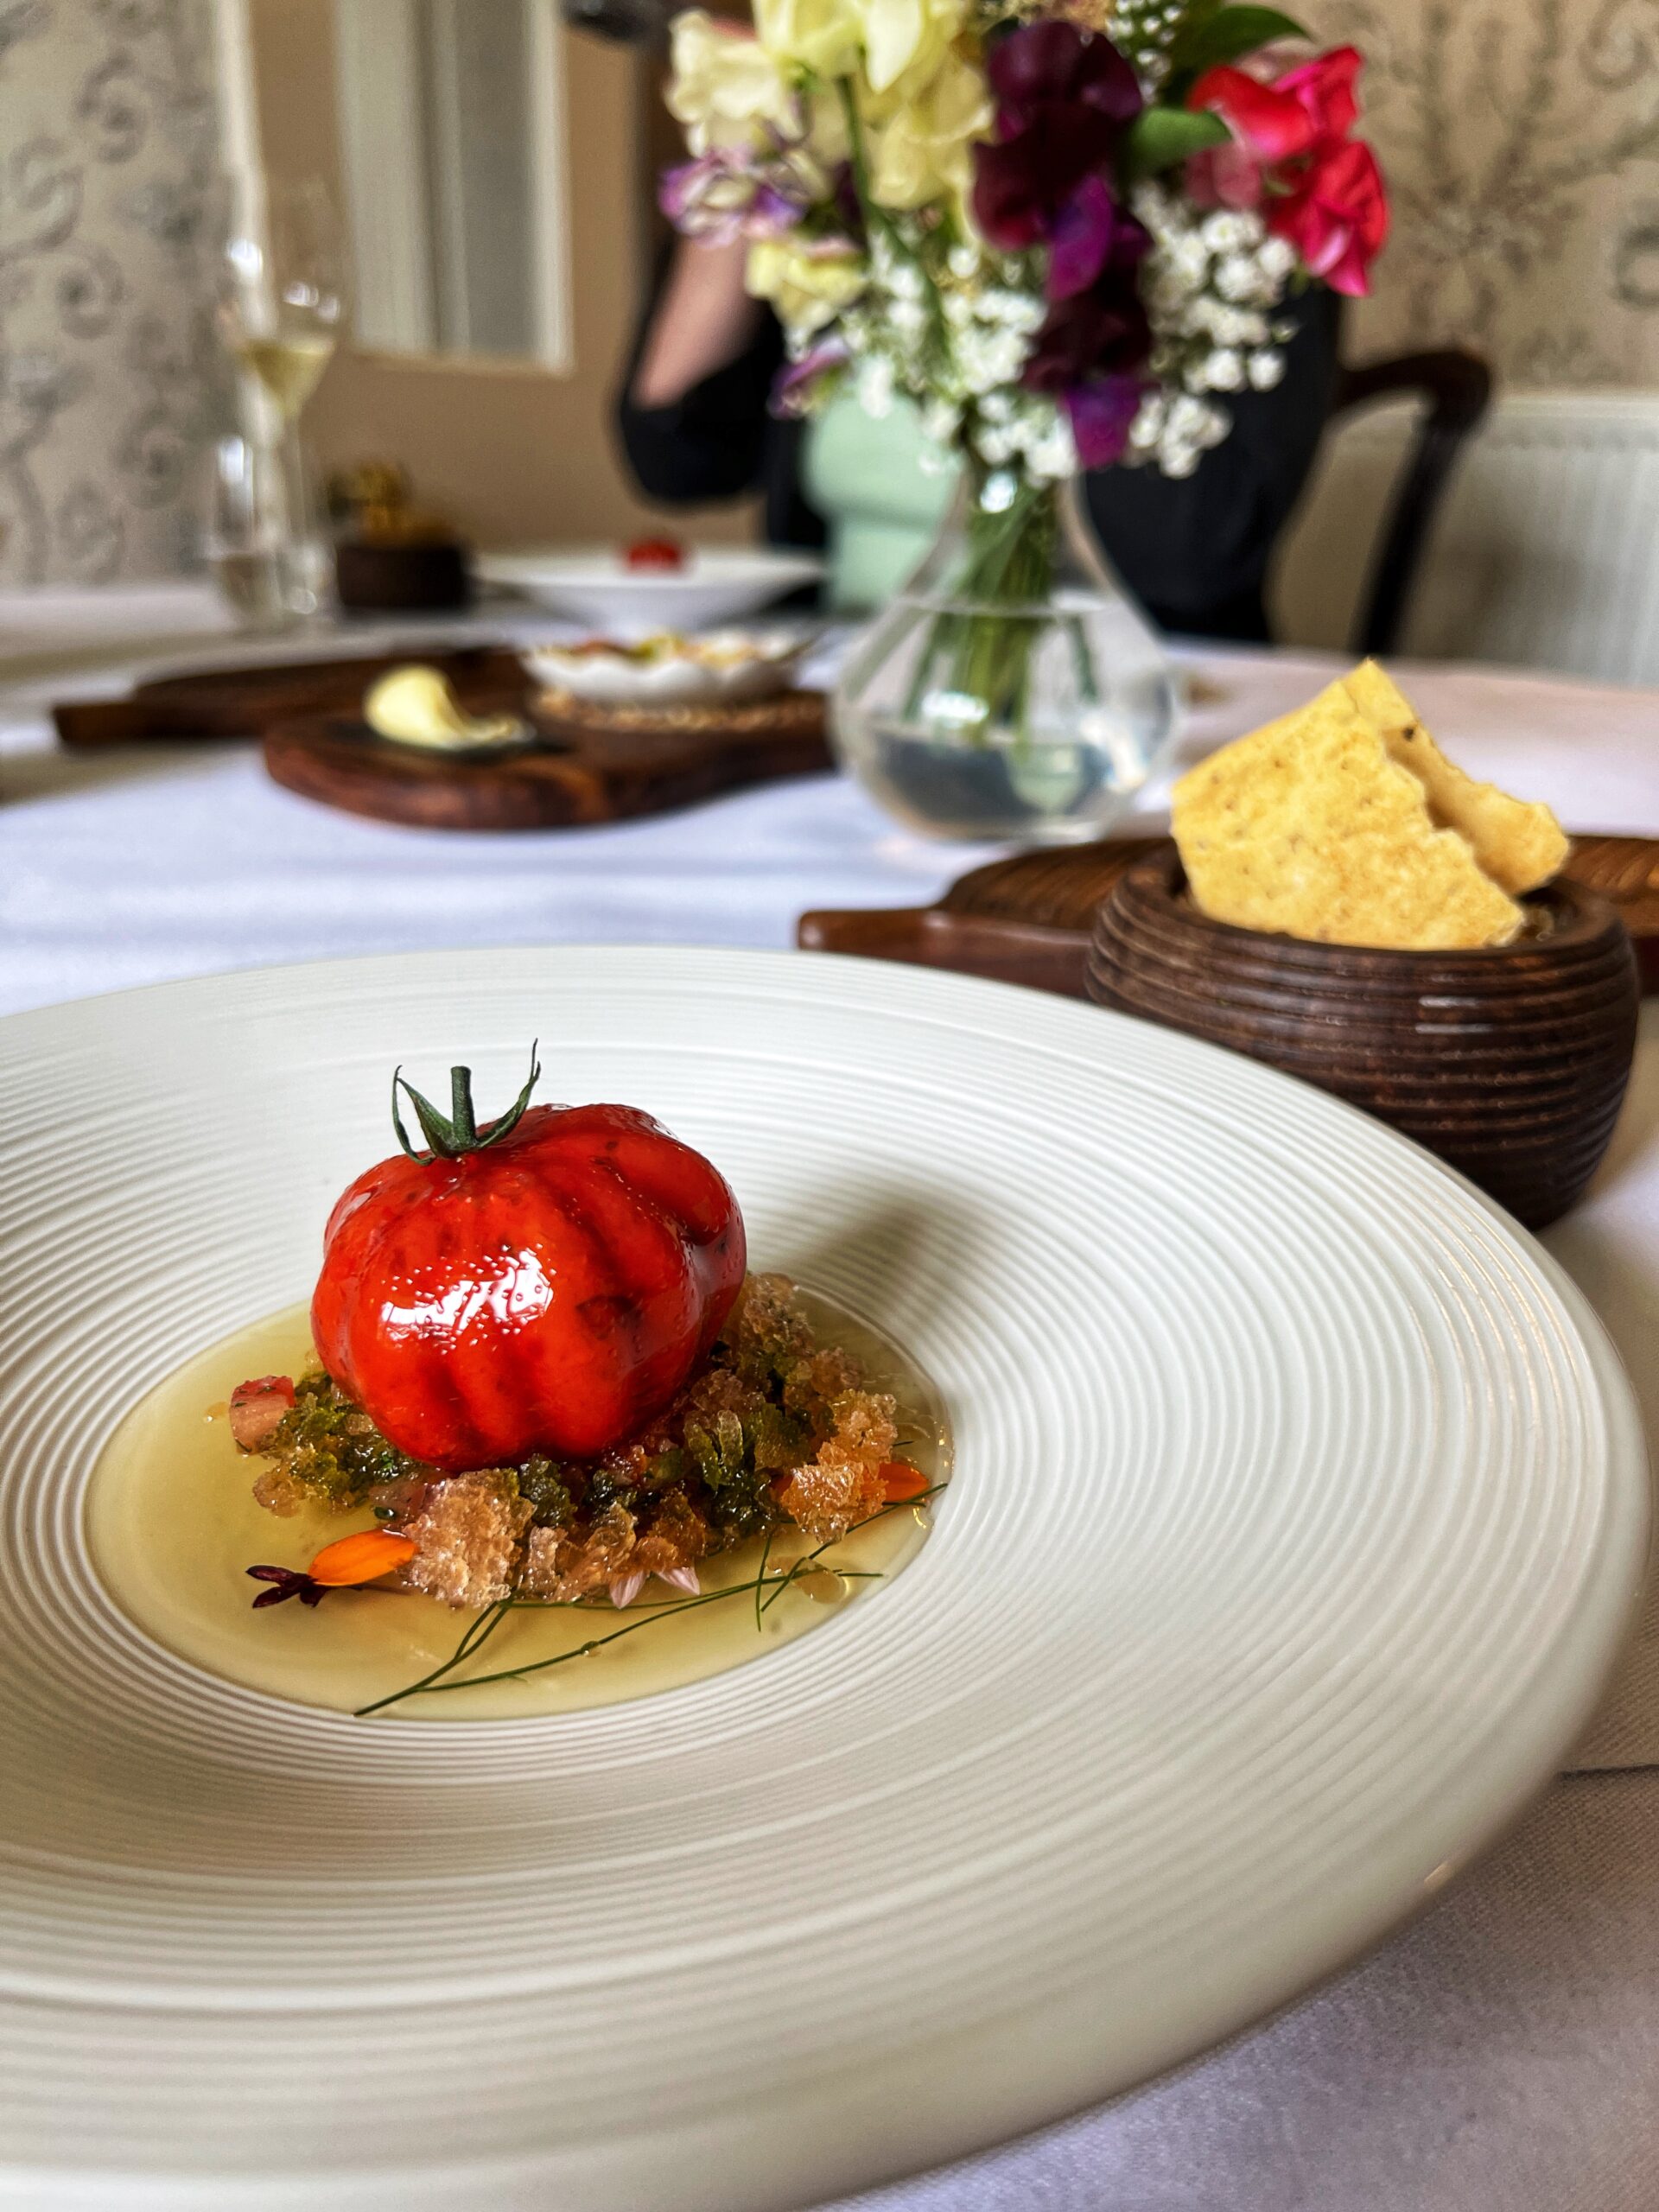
(1012, 691)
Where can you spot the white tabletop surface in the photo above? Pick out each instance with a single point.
(1504, 2053)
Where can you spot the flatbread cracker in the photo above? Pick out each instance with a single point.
(1518, 842)
(1308, 826)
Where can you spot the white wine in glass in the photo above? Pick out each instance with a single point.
(282, 313)
(287, 365)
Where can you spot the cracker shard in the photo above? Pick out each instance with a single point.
(1518, 842)
(1308, 827)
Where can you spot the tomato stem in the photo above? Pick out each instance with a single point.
(459, 1133)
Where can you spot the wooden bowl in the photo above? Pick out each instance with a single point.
(1510, 1063)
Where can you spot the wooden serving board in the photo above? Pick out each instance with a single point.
(587, 769)
(1027, 919)
(230, 702)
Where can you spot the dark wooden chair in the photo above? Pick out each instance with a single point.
(1458, 388)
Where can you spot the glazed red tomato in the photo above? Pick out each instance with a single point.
(654, 553)
(545, 1284)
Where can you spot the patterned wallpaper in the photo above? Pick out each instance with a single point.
(1521, 139)
(110, 379)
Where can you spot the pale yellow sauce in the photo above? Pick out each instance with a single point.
(173, 1528)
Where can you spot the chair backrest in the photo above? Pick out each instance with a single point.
(1458, 388)
(1543, 554)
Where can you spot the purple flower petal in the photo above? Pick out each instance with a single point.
(1051, 59)
(1080, 238)
(1102, 414)
(771, 212)
(1020, 185)
(794, 391)
(677, 187)
(290, 1582)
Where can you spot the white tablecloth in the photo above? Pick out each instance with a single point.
(1503, 2053)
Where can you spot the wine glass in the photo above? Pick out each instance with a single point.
(239, 543)
(282, 313)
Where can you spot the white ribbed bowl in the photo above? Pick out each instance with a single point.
(1300, 1509)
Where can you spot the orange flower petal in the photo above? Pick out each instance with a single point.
(361, 1558)
(902, 1480)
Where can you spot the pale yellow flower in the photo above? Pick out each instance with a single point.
(808, 284)
(923, 150)
(902, 34)
(824, 36)
(829, 36)
(726, 88)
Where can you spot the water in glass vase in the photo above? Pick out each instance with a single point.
(1011, 690)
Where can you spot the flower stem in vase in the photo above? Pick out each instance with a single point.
(976, 663)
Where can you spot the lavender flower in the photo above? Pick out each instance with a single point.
(729, 194)
(799, 386)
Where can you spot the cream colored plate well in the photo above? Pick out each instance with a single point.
(1299, 1509)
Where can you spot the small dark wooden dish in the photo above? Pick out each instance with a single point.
(1511, 1065)
(376, 578)
(583, 772)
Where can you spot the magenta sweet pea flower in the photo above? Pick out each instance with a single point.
(1064, 99)
(1102, 413)
(1054, 62)
(1290, 156)
(1091, 234)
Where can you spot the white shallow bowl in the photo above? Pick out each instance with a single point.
(734, 665)
(594, 584)
(1299, 1511)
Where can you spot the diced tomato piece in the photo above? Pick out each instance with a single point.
(257, 1407)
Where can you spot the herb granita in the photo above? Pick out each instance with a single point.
(775, 1429)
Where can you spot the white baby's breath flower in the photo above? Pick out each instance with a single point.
(1226, 230)
(1267, 368)
(1149, 424)
(875, 385)
(1277, 258)
(1223, 370)
(1190, 419)
(1238, 279)
(1052, 455)
(1000, 492)
(1188, 259)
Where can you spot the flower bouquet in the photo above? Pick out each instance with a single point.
(1068, 234)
